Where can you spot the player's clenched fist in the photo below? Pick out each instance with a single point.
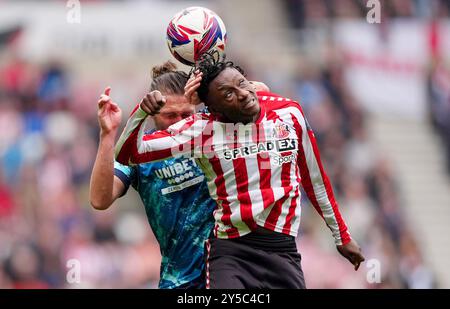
(153, 102)
(109, 113)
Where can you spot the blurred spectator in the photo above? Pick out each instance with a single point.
(364, 182)
(24, 267)
(439, 102)
(47, 147)
(306, 13)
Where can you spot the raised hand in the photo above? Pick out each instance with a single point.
(153, 102)
(109, 113)
(190, 90)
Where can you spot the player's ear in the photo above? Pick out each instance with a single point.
(213, 111)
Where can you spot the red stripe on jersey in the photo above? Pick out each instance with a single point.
(264, 181)
(288, 224)
(291, 212)
(241, 176)
(189, 123)
(151, 156)
(278, 102)
(292, 208)
(215, 230)
(155, 135)
(207, 140)
(135, 109)
(271, 115)
(129, 147)
(265, 173)
(272, 219)
(266, 94)
(304, 171)
(219, 182)
(282, 104)
(162, 154)
(161, 134)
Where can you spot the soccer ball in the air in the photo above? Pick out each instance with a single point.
(194, 31)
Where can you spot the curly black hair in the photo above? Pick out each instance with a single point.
(211, 64)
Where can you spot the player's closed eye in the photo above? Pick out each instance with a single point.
(170, 115)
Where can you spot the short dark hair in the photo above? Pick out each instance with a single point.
(167, 79)
(211, 64)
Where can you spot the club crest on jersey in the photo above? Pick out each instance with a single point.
(281, 130)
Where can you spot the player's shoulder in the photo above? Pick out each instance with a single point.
(274, 101)
(148, 169)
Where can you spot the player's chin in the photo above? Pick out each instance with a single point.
(251, 108)
(250, 112)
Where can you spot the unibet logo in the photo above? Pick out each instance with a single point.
(179, 169)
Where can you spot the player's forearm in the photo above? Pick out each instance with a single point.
(322, 197)
(102, 178)
(126, 150)
(318, 187)
(135, 146)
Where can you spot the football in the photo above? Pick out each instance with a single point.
(194, 31)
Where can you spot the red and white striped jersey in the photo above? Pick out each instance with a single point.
(254, 171)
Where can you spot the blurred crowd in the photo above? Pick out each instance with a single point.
(362, 177)
(48, 143)
(304, 13)
(439, 102)
(365, 186)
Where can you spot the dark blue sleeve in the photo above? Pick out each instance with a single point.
(125, 173)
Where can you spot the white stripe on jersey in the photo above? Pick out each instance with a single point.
(255, 192)
(235, 206)
(193, 132)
